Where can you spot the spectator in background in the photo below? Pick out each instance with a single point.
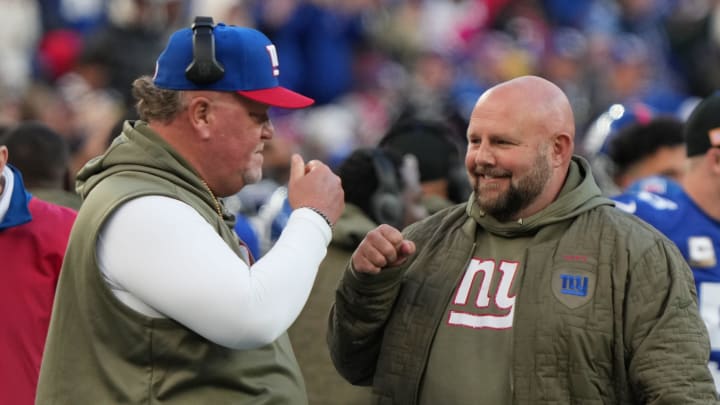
(427, 93)
(688, 212)
(33, 237)
(82, 118)
(96, 107)
(437, 149)
(642, 150)
(316, 42)
(565, 63)
(21, 30)
(536, 291)
(694, 38)
(138, 28)
(631, 141)
(380, 187)
(43, 156)
(627, 76)
(154, 277)
(634, 76)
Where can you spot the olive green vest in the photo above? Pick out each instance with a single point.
(99, 351)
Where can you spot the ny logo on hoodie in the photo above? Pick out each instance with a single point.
(494, 305)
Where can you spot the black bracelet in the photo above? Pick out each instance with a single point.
(317, 211)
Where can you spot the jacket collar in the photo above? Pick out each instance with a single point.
(17, 212)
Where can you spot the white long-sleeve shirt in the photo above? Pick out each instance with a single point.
(163, 259)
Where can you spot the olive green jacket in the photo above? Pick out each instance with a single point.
(635, 338)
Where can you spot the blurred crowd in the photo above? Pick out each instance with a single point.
(394, 84)
(367, 63)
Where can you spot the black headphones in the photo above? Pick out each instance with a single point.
(204, 68)
(386, 202)
(459, 188)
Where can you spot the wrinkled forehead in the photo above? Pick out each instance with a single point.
(498, 113)
(531, 109)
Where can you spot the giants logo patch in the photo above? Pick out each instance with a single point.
(573, 287)
(485, 293)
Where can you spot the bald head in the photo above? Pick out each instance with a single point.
(520, 145)
(533, 101)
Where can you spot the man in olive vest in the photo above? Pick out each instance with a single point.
(158, 301)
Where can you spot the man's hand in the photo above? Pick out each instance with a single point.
(382, 247)
(315, 185)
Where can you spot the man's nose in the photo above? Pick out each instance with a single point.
(268, 130)
(484, 155)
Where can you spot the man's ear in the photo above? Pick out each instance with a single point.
(562, 148)
(199, 110)
(713, 156)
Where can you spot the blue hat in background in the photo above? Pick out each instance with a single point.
(242, 60)
(608, 124)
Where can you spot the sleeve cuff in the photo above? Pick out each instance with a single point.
(316, 219)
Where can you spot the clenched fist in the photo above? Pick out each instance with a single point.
(315, 185)
(382, 247)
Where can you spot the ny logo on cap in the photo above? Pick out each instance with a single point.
(274, 59)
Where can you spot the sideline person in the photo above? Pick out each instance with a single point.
(43, 157)
(159, 301)
(643, 150)
(380, 187)
(537, 291)
(688, 212)
(33, 237)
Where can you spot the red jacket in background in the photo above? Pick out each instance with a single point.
(31, 253)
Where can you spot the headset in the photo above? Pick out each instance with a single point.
(204, 68)
(386, 204)
(459, 188)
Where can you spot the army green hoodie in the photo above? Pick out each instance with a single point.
(594, 301)
(99, 351)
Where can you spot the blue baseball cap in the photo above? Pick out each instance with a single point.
(248, 58)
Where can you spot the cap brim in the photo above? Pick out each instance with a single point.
(278, 97)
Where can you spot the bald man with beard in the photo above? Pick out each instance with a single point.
(535, 291)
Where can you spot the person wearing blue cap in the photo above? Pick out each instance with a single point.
(158, 300)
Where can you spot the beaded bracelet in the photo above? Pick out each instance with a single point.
(317, 211)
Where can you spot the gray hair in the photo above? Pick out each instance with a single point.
(154, 103)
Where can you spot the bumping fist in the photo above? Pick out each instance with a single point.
(315, 185)
(382, 247)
